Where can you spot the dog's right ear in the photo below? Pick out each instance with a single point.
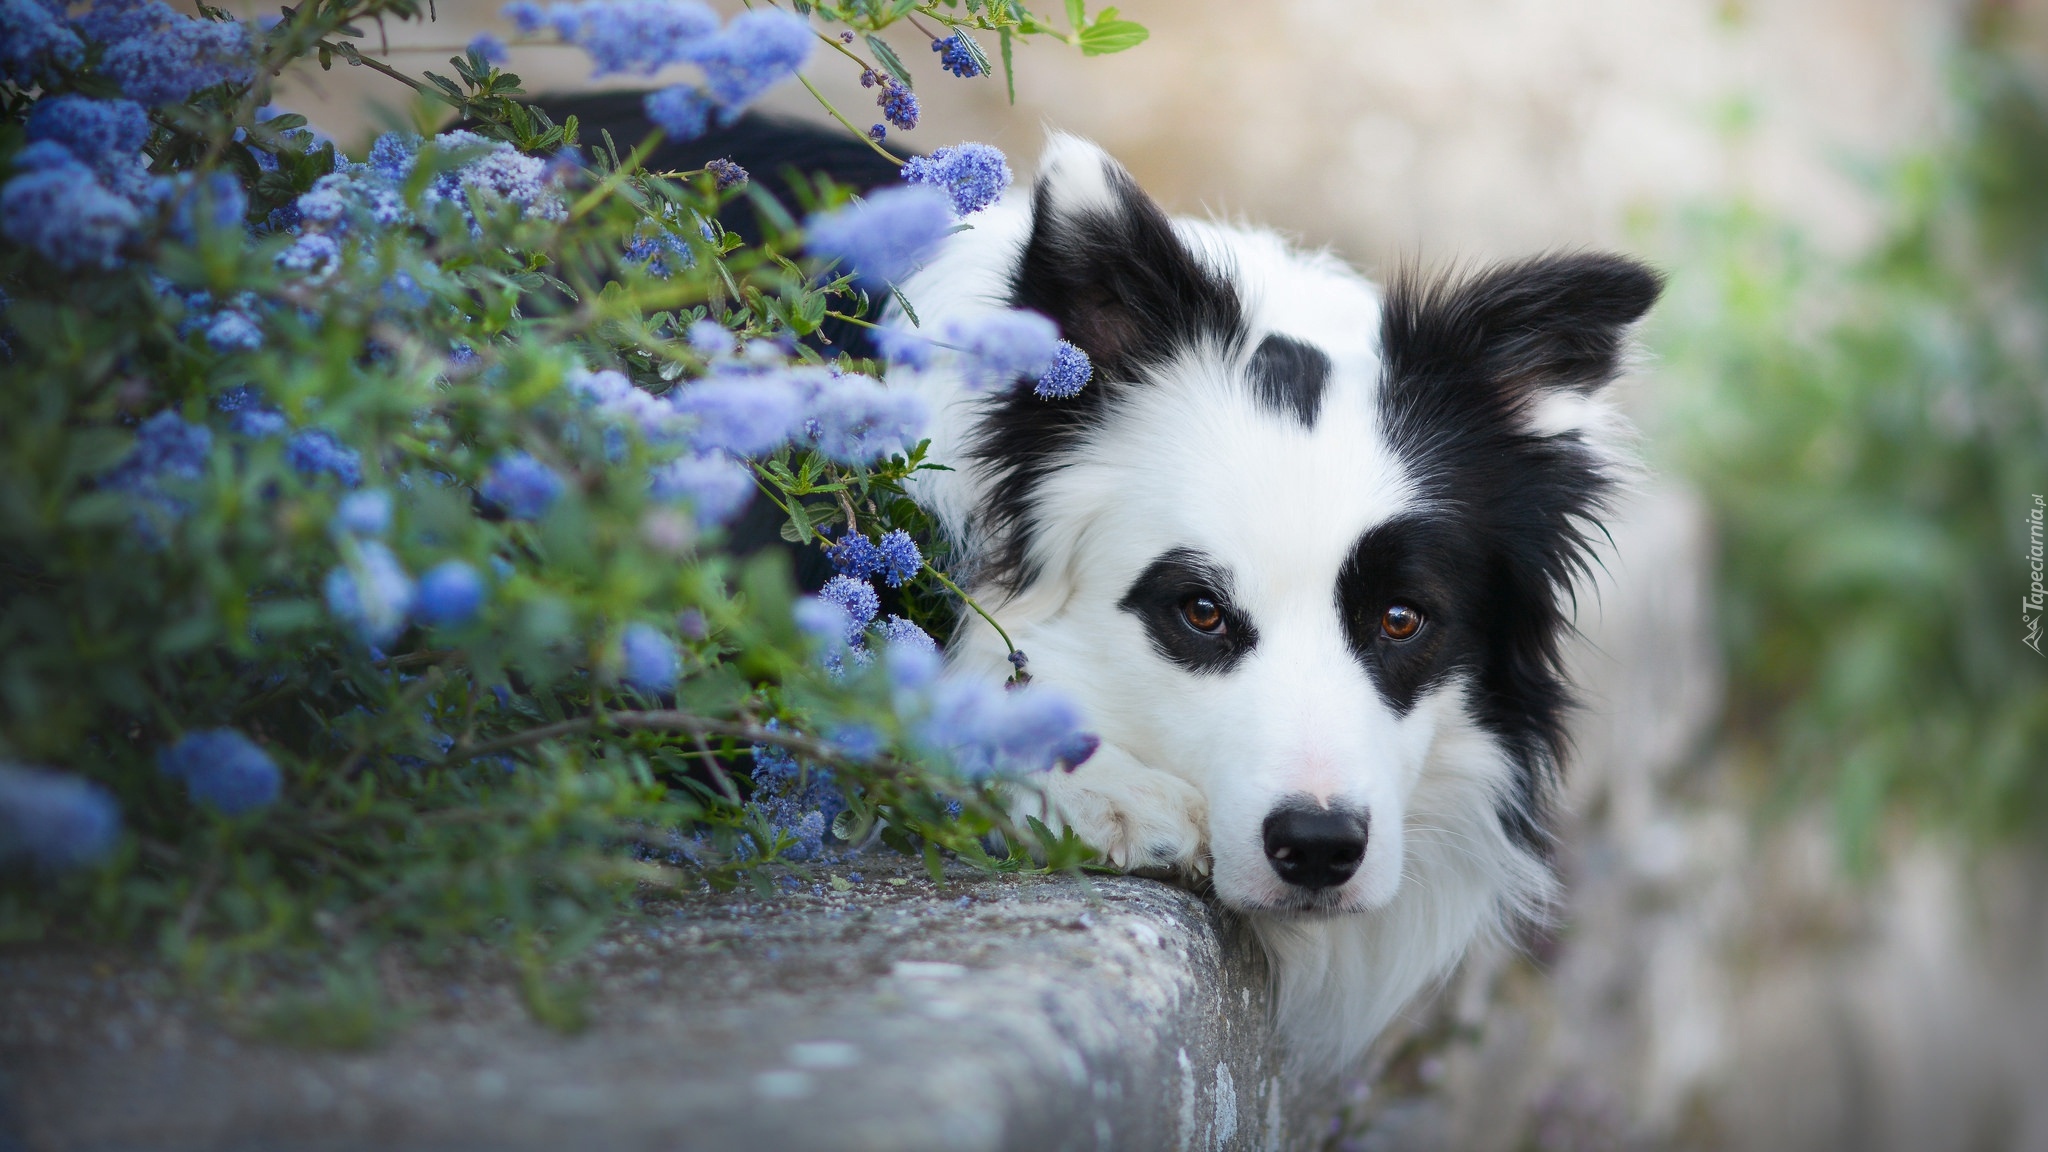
(1105, 264)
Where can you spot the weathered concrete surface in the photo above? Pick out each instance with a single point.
(1033, 1013)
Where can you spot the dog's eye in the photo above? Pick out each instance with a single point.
(1399, 622)
(1202, 614)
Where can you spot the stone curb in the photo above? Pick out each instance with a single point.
(887, 1014)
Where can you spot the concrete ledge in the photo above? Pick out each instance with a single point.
(1032, 1013)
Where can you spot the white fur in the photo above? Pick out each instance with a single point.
(1190, 765)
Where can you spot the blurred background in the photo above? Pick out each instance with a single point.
(1809, 905)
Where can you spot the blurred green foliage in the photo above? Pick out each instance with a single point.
(1872, 435)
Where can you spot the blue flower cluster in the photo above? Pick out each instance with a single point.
(161, 56)
(54, 820)
(999, 347)
(895, 559)
(794, 799)
(757, 50)
(974, 175)
(744, 408)
(167, 450)
(372, 592)
(648, 659)
(898, 103)
(36, 42)
(521, 486)
(224, 770)
(1070, 372)
(58, 205)
(956, 57)
(884, 238)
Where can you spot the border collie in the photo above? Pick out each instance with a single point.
(1302, 550)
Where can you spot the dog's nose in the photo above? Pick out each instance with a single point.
(1315, 848)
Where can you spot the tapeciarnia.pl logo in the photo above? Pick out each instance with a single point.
(2037, 596)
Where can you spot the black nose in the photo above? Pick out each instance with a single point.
(1315, 848)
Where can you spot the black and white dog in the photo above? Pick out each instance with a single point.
(1302, 551)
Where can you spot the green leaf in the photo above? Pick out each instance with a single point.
(887, 57)
(934, 864)
(981, 60)
(1077, 13)
(1106, 36)
(1009, 73)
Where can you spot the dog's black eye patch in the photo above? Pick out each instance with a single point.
(1289, 376)
(1158, 596)
(1421, 568)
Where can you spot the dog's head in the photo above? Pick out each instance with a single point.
(1305, 545)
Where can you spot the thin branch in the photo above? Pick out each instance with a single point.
(671, 720)
(870, 141)
(348, 52)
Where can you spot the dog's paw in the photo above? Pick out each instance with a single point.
(1140, 818)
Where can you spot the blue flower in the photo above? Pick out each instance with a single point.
(100, 133)
(710, 338)
(956, 57)
(373, 594)
(716, 486)
(248, 415)
(223, 770)
(524, 487)
(854, 420)
(856, 556)
(856, 598)
(314, 255)
(526, 16)
(392, 155)
(826, 622)
(640, 36)
(489, 47)
(33, 38)
(897, 631)
(903, 346)
(166, 448)
(1070, 372)
(54, 819)
(900, 558)
(63, 212)
(760, 48)
(795, 800)
(315, 451)
(450, 595)
(987, 730)
(214, 203)
(1001, 346)
(366, 513)
(647, 659)
(740, 415)
(160, 56)
(897, 102)
(974, 175)
(234, 331)
(726, 173)
(885, 237)
(682, 111)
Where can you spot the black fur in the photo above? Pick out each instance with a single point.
(1155, 598)
(1512, 513)
(1289, 376)
(1123, 288)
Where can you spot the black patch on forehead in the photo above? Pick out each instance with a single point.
(1465, 361)
(1124, 289)
(1155, 598)
(1289, 376)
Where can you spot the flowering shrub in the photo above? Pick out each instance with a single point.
(365, 520)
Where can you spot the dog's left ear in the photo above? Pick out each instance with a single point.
(1555, 324)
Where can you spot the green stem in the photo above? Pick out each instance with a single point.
(978, 611)
(865, 138)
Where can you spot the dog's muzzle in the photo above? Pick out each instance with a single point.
(1313, 847)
